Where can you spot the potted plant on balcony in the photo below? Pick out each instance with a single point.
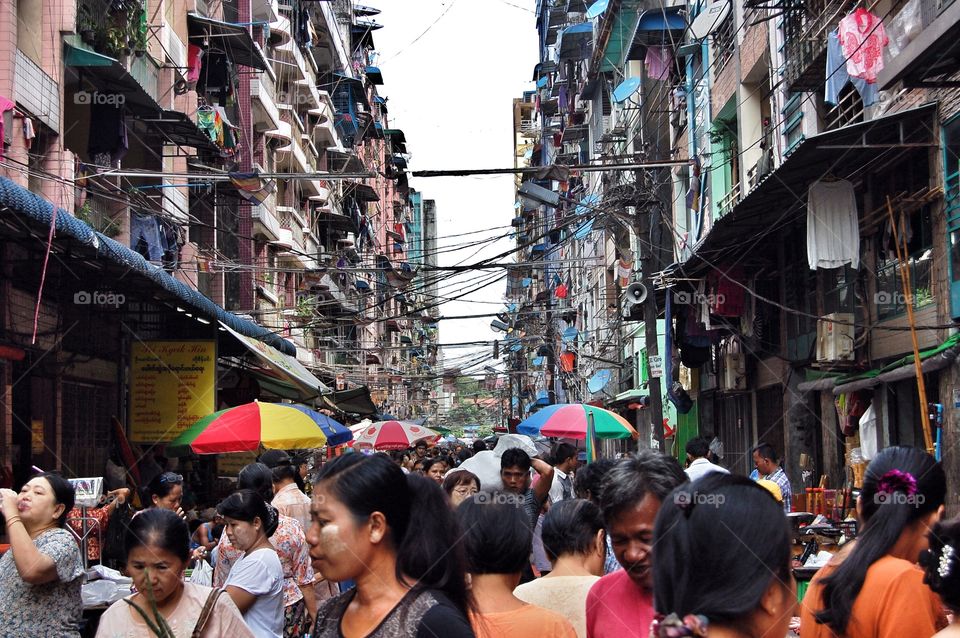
(86, 25)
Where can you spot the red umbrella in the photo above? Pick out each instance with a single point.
(393, 435)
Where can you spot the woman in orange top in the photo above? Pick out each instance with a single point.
(874, 588)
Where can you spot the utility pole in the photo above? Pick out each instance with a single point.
(644, 220)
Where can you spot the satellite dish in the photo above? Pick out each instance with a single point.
(597, 8)
(599, 380)
(635, 294)
(709, 19)
(625, 89)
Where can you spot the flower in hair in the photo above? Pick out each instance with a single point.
(897, 481)
(673, 627)
(943, 569)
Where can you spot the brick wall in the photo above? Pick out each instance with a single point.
(753, 49)
(724, 86)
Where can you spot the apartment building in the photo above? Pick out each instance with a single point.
(214, 171)
(744, 118)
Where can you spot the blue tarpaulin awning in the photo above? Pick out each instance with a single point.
(575, 41)
(19, 201)
(374, 75)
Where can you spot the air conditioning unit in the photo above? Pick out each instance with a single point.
(734, 372)
(835, 334)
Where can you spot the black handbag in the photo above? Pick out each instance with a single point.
(111, 549)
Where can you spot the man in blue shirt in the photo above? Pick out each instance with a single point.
(768, 467)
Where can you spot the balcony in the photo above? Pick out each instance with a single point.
(290, 58)
(264, 10)
(266, 117)
(265, 223)
(805, 31)
(931, 56)
(281, 31)
(730, 199)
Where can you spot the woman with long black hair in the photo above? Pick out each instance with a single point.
(721, 562)
(874, 587)
(396, 537)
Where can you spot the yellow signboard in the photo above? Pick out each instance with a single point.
(231, 464)
(172, 385)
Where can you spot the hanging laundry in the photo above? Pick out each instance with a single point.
(28, 132)
(728, 296)
(145, 236)
(833, 231)
(693, 193)
(209, 120)
(659, 60)
(6, 122)
(837, 76)
(561, 292)
(625, 272)
(252, 187)
(194, 57)
(863, 37)
(562, 99)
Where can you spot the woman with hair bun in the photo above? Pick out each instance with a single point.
(941, 565)
(255, 582)
(873, 586)
(299, 599)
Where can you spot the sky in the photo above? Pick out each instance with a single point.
(451, 69)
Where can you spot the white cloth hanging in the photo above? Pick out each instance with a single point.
(833, 230)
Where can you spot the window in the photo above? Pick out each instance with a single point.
(890, 299)
(87, 413)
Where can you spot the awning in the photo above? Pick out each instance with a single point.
(780, 198)
(353, 401)
(574, 43)
(234, 39)
(930, 58)
(336, 221)
(344, 162)
(653, 28)
(397, 139)
(931, 360)
(18, 201)
(374, 75)
(77, 53)
(362, 34)
(362, 192)
(286, 365)
(178, 129)
(112, 78)
(620, 41)
(630, 396)
(382, 102)
(543, 68)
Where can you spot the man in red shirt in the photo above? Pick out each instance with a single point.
(620, 605)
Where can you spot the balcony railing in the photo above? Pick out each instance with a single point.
(724, 44)
(805, 28)
(890, 299)
(731, 199)
(849, 110)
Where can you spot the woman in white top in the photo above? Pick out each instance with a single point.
(255, 582)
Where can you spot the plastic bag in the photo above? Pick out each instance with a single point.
(904, 27)
(202, 574)
(486, 465)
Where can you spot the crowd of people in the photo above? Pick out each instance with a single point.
(388, 545)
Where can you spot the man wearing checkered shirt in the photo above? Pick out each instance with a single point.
(768, 465)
